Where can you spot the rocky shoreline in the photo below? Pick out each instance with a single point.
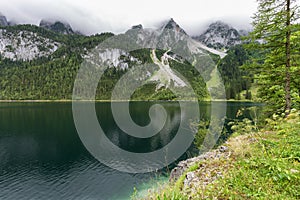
(209, 166)
(184, 165)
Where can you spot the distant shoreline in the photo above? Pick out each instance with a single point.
(107, 101)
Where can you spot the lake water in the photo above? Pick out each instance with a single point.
(42, 157)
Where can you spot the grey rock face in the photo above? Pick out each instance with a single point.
(139, 26)
(220, 35)
(186, 164)
(3, 21)
(25, 45)
(171, 24)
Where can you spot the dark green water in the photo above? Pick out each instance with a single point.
(42, 157)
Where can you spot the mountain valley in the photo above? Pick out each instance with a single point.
(41, 62)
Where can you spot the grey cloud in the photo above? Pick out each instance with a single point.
(84, 16)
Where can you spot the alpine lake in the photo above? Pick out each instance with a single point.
(42, 156)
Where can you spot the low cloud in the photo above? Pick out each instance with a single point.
(93, 16)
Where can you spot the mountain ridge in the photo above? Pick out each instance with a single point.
(66, 29)
(165, 47)
(221, 36)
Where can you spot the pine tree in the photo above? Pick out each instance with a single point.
(274, 26)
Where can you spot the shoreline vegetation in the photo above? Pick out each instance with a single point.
(254, 163)
(70, 100)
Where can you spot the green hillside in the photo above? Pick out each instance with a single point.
(52, 77)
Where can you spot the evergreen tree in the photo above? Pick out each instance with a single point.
(235, 78)
(274, 27)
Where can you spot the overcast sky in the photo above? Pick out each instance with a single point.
(94, 16)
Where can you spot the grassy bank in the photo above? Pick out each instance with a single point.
(261, 164)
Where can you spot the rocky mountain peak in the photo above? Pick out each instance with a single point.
(220, 35)
(139, 26)
(219, 25)
(57, 26)
(171, 24)
(3, 20)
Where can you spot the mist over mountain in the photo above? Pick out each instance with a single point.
(46, 59)
(57, 26)
(171, 24)
(52, 47)
(218, 36)
(116, 16)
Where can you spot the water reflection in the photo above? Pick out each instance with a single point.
(42, 157)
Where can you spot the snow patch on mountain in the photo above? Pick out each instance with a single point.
(25, 45)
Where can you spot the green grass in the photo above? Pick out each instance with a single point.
(262, 165)
(268, 169)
